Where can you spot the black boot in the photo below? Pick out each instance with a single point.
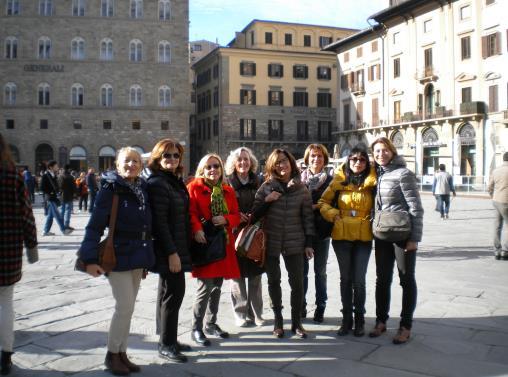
(6, 362)
(278, 324)
(347, 324)
(359, 325)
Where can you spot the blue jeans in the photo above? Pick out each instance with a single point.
(353, 258)
(66, 213)
(53, 212)
(443, 204)
(320, 260)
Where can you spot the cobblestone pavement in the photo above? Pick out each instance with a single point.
(460, 329)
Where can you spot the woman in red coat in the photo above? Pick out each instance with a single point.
(214, 201)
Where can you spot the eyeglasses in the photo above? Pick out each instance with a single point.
(354, 160)
(282, 162)
(212, 166)
(176, 156)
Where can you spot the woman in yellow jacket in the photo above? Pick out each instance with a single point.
(348, 202)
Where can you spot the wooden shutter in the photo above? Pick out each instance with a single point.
(493, 102)
(242, 96)
(294, 71)
(282, 98)
(269, 70)
(241, 68)
(281, 70)
(306, 71)
(498, 43)
(375, 113)
(306, 99)
(269, 98)
(484, 47)
(253, 97)
(369, 74)
(253, 69)
(294, 98)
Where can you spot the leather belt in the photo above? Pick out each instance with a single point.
(143, 236)
(354, 213)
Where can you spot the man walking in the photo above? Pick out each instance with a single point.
(498, 190)
(49, 186)
(441, 188)
(68, 189)
(91, 182)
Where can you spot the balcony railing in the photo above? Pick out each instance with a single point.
(427, 73)
(358, 88)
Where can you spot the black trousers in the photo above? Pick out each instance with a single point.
(387, 254)
(169, 299)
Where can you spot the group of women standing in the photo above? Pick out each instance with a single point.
(159, 218)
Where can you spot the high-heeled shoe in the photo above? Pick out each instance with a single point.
(299, 331)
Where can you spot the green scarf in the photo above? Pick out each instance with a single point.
(218, 205)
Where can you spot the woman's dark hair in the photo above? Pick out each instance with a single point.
(5, 152)
(270, 171)
(348, 173)
(159, 149)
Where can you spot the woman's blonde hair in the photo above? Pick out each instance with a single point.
(387, 142)
(127, 150)
(235, 155)
(200, 171)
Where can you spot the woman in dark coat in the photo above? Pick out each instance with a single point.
(18, 228)
(285, 205)
(247, 299)
(169, 200)
(133, 249)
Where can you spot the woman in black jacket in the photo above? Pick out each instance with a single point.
(169, 200)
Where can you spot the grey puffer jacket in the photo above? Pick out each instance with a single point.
(289, 221)
(397, 190)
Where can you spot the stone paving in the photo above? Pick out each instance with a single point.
(460, 328)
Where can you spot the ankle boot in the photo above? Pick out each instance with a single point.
(298, 330)
(129, 364)
(6, 362)
(115, 365)
(359, 325)
(278, 324)
(346, 326)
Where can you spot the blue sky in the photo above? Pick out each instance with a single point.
(219, 19)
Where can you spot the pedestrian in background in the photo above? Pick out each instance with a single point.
(18, 228)
(285, 205)
(49, 186)
(317, 179)
(29, 183)
(212, 200)
(169, 200)
(246, 298)
(441, 188)
(68, 188)
(82, 192)
(133, 249)
(91, 182)
(397, 190)
(352, 188)
(498, 190)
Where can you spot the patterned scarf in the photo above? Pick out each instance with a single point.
(313, 181)
(135, 187)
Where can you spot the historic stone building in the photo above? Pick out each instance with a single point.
(272, 86)
(432, 77)
(80, 79)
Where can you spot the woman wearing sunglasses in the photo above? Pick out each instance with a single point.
(354, 182)
(285, 205)
(212, 200)
(169, 201)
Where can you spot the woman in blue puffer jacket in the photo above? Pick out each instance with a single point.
(133, 249)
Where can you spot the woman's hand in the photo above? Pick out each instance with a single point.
(309, 252)
(219, 220)
(200, 237)
(244, 218)
(94, 270)
(175, 265)
(411, 246)
(315, 206)
(336, 218)
(273, 196)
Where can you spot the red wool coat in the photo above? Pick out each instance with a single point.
(199, 206)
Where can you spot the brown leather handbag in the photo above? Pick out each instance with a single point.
(250, 243)
(107, 257)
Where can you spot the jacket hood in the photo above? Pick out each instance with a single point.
(112, 177)
(235, 181)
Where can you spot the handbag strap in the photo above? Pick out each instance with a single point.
(112, 217)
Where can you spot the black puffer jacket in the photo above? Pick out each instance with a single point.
(245, 194)
(169, 200)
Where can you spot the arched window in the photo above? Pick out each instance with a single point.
(43, 94)
(164, 10)
(44, 48)
(14, 153)
(77, 95)
(106, 95)
(164, 52)
(397, 140)
(11, 48)
(10, 93)
(45, 7)
(136, 8)
(43, 154)
(135, 95)
(107, 7)
(164, 96)
(430, 136)
(106, 158)
(106, 49)
(135, 50)
(12, 7)
(78, 48)
(78, 8)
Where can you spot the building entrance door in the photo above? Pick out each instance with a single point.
(430, 160)
(43, 154)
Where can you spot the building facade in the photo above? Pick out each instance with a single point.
(82, 78)
(271, 87)
(431, 77)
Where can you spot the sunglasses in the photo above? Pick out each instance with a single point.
(176, 156)
(354, 160)
(212, 166)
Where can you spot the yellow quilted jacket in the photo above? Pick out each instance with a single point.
(354, 206)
